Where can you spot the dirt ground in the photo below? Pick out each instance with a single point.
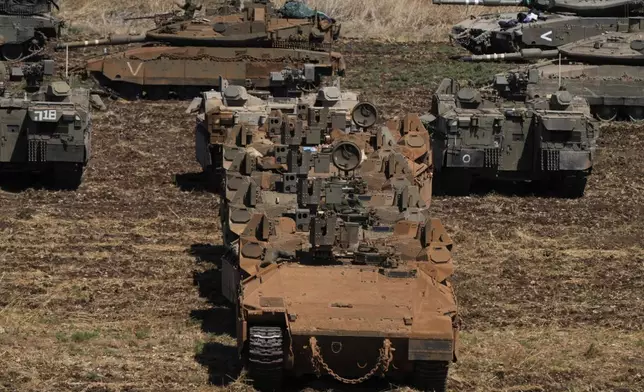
(111, 288)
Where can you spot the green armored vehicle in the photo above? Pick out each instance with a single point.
(511, 132)
(25, 27)
(45, 128)
(543, 24)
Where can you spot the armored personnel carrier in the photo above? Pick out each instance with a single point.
(606, 70)
(185, 57)
(25, 27)
(45, 129)
(546, 24)
(232, 116)
(511, 131)
(334, 263)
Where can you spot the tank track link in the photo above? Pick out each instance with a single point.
(431, 376)
(266, 357)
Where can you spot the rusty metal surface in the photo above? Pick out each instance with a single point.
(193, 53)
(330, 239)
(202, 67)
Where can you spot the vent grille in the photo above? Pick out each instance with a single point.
(549, 160)
(492, 157)
(37, 150)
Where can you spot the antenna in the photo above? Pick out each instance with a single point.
(559, 70)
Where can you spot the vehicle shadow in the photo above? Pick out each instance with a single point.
(219, 350)
(192, 182)
(20, 182)
(481, 187)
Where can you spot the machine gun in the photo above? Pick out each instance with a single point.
(514, 85)
(33, 74)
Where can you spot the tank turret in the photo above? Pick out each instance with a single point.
(247, 47)
(258, 25)
(545, 24)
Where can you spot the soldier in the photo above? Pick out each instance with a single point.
(190, 7)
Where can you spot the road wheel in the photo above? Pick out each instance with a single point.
(430, 376)
(266, 358)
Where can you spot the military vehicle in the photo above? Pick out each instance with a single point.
(333, 262)
(236, 113)
(547, 24)
(46, 128)
(606, 70)
(510, 131)
(25, 27)
(184, 57)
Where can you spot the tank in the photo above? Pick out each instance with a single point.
(186, 56)
(46, 128)
(511, 131)
(25, 27)
(237, 113)
(333, 261)
(546, 24)
(606, 70)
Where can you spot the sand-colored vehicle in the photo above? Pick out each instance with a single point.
(228, 119)
(184, 57)
(334, 263)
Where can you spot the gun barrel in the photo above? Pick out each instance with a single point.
(113, 40)
(487, 3)
(522, 55)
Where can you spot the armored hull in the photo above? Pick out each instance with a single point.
(614, 92)
(514, 132)
(48, 131)
(190, 55)
(25, 29)
(160, 72)
(333, 261)
(606, 70)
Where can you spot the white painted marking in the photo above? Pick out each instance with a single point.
(546, 36)
(467, 158)
(138, 68)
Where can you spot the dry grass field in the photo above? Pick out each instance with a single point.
(391, 20)
(113, 288)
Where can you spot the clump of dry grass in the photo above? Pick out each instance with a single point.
(391, 20)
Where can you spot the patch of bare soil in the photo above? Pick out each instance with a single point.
(115, 287)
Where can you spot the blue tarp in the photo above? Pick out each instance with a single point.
(299, 10)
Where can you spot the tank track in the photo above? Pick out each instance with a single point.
(431, 376)
(266, 357)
